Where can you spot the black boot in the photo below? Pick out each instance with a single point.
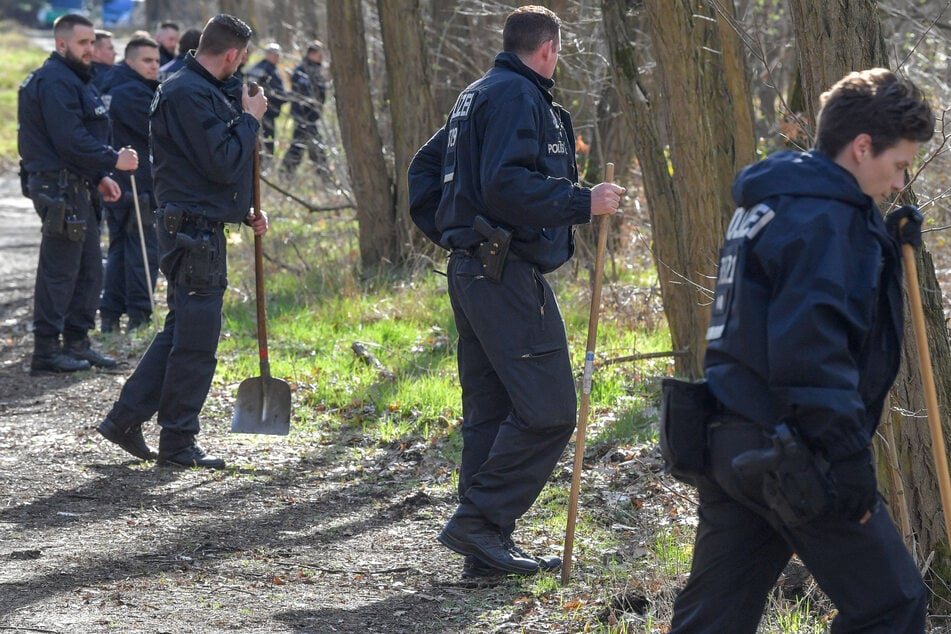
(48, 356)
(130, 438)
(108, 322)
(138, 319)
(182, 450)
(478, 537)
(81, 349)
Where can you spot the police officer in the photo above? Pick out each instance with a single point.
(268, 75)
(167, 36)
(505, 164)
(62, 139)
(308, 93)
(103, 58)
(204, 127)
(804, 344)
(126, 289)
(188, 42)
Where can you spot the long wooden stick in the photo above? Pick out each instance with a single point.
(586, 387)
(145, 252)
(927, 382)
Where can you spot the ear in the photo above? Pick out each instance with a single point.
(60, 45)
(862, 147)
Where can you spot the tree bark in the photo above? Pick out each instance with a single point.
(687, 181)
(373, 188)
(412, 104)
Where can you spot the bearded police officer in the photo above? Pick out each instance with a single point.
(497, 187)
(204, 128)
(63, 141)
(126, 289)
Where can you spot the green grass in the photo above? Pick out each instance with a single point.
(20, 58)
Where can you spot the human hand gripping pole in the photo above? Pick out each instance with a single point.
(263, 404)
(586, 387)
(924, 361)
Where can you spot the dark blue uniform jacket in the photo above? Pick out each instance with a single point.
(63, 123)
(310, 92)
(202, 144)
(269, 77)
(807, 319)
(506, 153)
(130, 99)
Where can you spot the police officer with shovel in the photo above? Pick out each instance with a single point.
(204, 128)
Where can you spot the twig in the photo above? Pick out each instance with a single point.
(364, 354)
(344, 571)
(645, 355)
(308, 205)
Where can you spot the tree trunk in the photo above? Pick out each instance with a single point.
(835, 38)
(372, 186)
(412, 105)
(689, 196)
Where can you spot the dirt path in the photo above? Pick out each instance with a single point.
(300, 535)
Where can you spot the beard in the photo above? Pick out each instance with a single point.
(76, 62)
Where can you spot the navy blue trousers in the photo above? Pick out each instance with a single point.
(742, 547)
(518, 392)
(175, 374)
(125, 289)
(69, 273)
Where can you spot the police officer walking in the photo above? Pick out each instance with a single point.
(103, 59)
(804, 344)
(126, 289)
(268, 75)
(63, 141)
(308, 93)
(204, 128)
(501, 177)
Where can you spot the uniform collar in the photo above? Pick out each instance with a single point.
(512, 62)
(85, 74)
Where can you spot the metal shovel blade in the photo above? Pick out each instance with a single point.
(263, 406)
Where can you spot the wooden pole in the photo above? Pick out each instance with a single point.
(927, 382)
(586, 387)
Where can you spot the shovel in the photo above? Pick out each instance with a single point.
(263, 405)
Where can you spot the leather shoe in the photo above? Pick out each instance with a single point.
(475, 568)
(190, 456)
(479, 538)
(129, 439)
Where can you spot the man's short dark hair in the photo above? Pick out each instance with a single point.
(101, 34)
(876, 102)
(137, 43)
(224, 32)
(168, 25)
(65, 23)
(189, 40)
(529, 27)
(315, 47)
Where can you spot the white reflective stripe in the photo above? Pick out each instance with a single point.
(714, 332)
(448, 177)
(762, 222)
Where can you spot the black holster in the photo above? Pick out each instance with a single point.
(796, 483)
(494, 250)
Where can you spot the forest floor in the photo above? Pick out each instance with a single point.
(329, 534)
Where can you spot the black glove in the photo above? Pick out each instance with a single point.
(910, 233)
(855, 488)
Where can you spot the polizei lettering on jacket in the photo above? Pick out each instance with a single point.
(744, 226)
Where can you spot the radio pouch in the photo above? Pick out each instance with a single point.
(685, 409)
